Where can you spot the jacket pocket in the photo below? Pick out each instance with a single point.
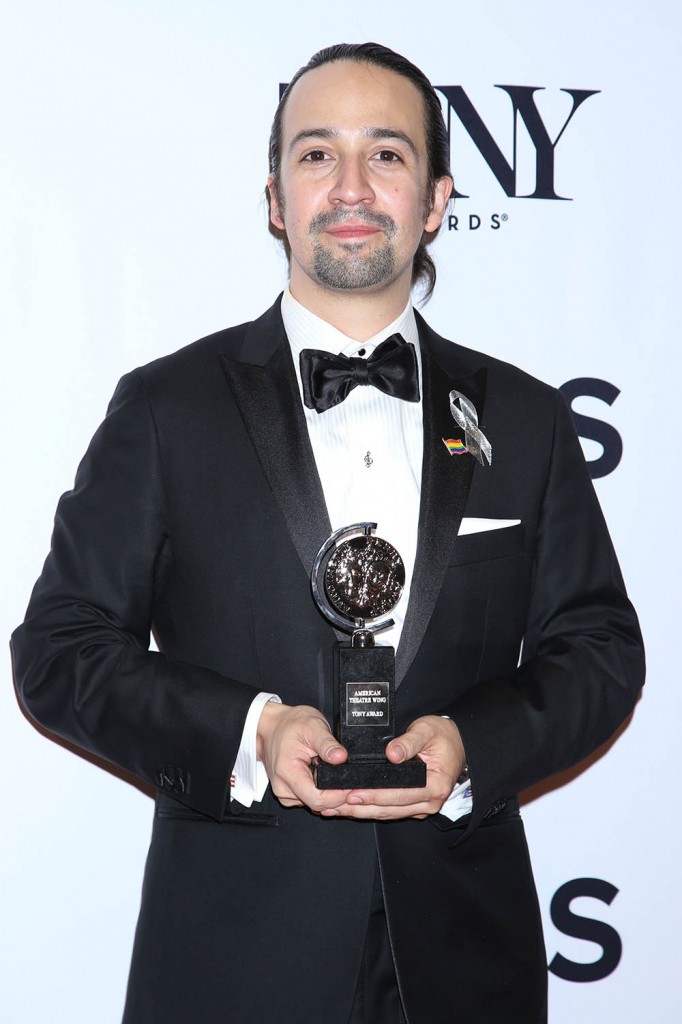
(488, 545)
(502, 810)
(173, 810)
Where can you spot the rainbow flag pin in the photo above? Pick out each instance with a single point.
(454, 447)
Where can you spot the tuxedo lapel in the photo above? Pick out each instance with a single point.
(444, 489)
(263, 382)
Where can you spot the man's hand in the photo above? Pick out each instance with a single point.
(289, 739)
(438, 743)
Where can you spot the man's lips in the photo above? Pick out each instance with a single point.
(345, 231)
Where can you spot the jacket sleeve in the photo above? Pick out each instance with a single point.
(82, 662)
(583, 658)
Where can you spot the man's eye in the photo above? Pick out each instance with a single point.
(315, 156)
(388, 156)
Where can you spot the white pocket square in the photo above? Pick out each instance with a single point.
(472, 524)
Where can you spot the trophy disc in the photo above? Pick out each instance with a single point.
(364, 577)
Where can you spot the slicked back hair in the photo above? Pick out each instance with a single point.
(437, 142)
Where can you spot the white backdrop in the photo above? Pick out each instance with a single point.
(133, 154)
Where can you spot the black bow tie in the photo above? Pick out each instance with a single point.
(329, 379)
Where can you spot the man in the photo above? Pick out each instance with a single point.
(199, 509)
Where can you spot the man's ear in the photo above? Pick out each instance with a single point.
(441, 195)
(274, 204)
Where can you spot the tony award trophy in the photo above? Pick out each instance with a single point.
(356, 578)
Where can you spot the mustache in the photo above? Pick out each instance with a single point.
(333, 218)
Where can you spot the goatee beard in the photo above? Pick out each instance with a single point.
(356, 268)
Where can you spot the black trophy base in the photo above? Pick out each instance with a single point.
(371, 775)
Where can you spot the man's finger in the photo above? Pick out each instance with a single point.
(409, 744)
(321, 743)
(332, 752)
(295, 787)
(379, 812)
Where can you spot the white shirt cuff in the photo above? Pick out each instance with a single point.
(459, 803)
(249, 780)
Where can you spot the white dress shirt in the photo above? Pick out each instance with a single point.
(368, 452)
(368, 449)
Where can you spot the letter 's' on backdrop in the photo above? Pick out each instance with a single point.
(133, 143)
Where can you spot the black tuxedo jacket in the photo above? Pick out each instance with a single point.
(197, 513)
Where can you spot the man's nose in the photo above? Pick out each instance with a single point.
(351, 183)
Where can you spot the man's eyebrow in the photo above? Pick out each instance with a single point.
(390, 133)
(369, 133)
(312, 133)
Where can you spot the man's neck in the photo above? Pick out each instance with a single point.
(358, 315)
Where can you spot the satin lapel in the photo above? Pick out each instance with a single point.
(445, 486)
(266, 392)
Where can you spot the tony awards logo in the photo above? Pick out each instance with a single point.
(356, 579)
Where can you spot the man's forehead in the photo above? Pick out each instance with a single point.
(365, 97)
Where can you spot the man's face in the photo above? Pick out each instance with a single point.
(353, 194)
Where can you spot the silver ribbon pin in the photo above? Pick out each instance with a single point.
(466, 417)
